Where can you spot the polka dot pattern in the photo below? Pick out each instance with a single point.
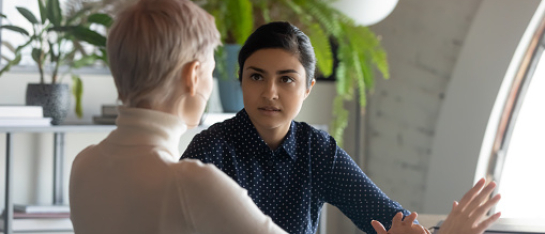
(291, 183)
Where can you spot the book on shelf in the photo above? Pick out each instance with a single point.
(25, 122)
(109, 110)
(107, 120)
(108, 115)
(15, 111)
(26, 208)
(23, 215)
(39, 224)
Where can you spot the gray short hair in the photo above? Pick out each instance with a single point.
(150, 42)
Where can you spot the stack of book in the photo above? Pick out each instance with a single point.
(23, 116)
(38, 218)
(108, 115)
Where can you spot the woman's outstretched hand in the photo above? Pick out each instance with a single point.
(468, 216)
(399, 226)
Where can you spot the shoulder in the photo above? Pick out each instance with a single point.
(84, 155)
(217, 132)
(194, 168)
(196, 175)
(316, 137)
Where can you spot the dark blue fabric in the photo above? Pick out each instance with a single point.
(292, 183)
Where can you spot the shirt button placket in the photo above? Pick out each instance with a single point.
(272, 176)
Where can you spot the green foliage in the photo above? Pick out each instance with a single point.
(56, 40)
(28, 15)
(359, 51)
(234, 18)
(77, 90)
(324, 55)
(241, 21)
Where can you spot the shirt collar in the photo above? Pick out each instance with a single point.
(137, 126)
(289, 145)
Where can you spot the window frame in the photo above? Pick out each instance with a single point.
(513, 104)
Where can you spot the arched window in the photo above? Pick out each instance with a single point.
(518, 155)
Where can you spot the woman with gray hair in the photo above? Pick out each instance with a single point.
(161, 58)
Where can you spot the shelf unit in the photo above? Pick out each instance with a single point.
(58, 155)
(58, 158)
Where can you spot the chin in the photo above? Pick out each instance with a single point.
(272, 124)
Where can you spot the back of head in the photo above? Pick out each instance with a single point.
(149, 43)
(280, 35)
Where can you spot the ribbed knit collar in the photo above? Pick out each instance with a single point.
(137, 126)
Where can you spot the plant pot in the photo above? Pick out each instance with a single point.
(228, 85)
(54, 98)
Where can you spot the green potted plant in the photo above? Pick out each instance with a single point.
(235, 21)
(357, 49)
(58, 40)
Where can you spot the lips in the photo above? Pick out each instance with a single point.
(269, 108)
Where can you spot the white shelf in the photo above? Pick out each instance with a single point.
(209, 120)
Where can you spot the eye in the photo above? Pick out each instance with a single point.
(256, 76)
(287, 79)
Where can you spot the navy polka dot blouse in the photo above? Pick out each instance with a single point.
(292, 183)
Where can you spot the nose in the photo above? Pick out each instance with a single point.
(270, 91)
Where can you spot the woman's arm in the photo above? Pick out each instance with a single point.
(350, 190)
(217, 204)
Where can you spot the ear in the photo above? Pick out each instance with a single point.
(190, 77)
(307, 92)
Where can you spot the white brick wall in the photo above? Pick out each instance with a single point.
(423, 39)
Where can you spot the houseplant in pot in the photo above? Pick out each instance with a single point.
(345, 51)
(58, 41)
(234, 20)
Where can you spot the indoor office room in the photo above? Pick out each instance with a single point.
(419, 99)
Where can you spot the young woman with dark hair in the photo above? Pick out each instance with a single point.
(289, 168)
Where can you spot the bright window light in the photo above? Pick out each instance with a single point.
(522, 183)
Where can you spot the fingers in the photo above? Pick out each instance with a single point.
(397, 218)
(480, 198)
(421, 229)
(471, 193)
(379, 228)
(411, 218)
(487, 222)
(484, 208)
(455, 204)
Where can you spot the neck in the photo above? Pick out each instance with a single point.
(273, 137)
(167, 107)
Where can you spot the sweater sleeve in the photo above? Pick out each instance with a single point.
(217, 204)
(350, 189)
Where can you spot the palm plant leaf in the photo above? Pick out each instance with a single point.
(240, 13)
(322, 49)
(340, 119)
(325, 15)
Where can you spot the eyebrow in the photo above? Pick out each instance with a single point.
(278, 72)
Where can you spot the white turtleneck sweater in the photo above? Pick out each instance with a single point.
(132, 182)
